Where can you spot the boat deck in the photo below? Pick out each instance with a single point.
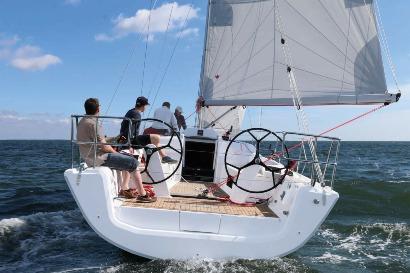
(185, 200)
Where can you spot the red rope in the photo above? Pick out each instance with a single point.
(353, 119)
(216, 186)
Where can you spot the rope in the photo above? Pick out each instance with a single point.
(297, 99)
(334, 128)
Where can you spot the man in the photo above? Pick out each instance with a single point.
(88, 130)
(164, 114)
(142, 140)
(180, 118)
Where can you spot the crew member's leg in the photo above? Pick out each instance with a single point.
(125, 180)
(126, 164)
(155, 139)
(144, 140)
(138, 181)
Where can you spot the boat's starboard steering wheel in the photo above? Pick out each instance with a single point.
(149, 151)
(257, 160)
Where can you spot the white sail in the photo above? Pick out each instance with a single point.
(334, 47)
(223, 118)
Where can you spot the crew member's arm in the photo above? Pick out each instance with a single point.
(106, 148)
(174, 123)
(183, 123)
(101, 139)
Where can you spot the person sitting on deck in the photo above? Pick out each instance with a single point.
(89, 130)
(180, 118)
(164, 114)
(141, 140)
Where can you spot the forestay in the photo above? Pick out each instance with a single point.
(334, 46)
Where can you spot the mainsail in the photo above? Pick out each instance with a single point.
(334, 47)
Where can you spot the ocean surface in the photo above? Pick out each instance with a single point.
(42, 230)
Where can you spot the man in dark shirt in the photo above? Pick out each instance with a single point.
(180, 118)
(142, 140)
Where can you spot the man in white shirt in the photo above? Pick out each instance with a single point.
(164, 113)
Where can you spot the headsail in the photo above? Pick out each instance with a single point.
(223, 118)
(334, 46)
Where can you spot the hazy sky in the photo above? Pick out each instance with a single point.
(56, 53)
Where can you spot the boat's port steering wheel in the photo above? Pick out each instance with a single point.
(257, 160)
(150, 151)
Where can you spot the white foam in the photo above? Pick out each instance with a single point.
(398, 181)
(334, 258)
(9, 225)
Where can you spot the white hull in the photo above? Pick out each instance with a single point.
(178, 234)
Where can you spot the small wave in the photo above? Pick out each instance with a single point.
(41, 238)
(363, 243)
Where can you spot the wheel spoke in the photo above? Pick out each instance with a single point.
(170, 139)
(253, 137)
(233, 166)
(247, 165)
(160, 148)
(150, 177)
(264, 136)
(174, 149)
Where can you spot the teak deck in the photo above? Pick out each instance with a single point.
(195, 204)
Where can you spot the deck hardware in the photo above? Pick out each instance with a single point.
(315, 201)
(282, 195)
(286, 212)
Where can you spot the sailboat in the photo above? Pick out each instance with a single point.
(253, 193)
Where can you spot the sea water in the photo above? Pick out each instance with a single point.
(42, 230)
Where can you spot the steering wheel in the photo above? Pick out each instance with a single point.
(257, 160)
(150, 151)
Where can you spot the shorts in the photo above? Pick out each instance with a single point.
(141, 140)
(161, 132)
(121, 162)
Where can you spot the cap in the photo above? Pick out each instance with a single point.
(141, 101)
(179, 109)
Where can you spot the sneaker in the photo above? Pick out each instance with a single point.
(169, 160)
(146, 199)
(127, 194)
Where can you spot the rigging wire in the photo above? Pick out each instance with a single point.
(146, 46)
(385, 44)
(169, 61)
(118, 85)
(164, 41)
